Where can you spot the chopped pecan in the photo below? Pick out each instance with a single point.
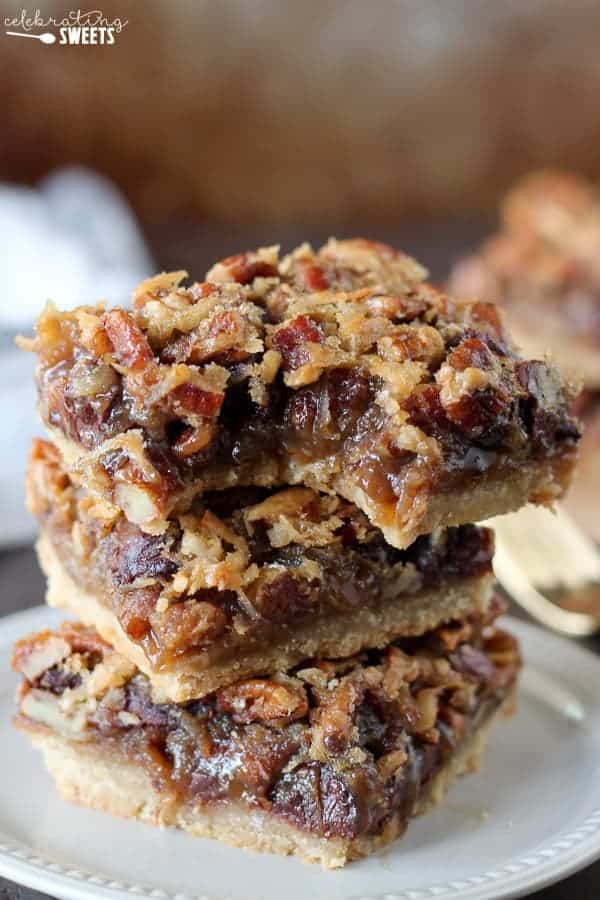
(189, 623)
(420, 344)
(83, 638)
(131, 347)
(245, 267)
(335, 724)
(489, 315)
(195, 439)
(90, 379)
(400, 668)
(454, 633)
(427, 704)
(472, 353)
(311, 277)
(92, 333)
(34, 654)
(221, 337)
(291, 337)
(261, 699)
(139, 502)
(136, 609)
(156, 286)
(396, 306)
(503, 650)
(194, 400)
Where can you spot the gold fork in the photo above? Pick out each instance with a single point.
(546, 564)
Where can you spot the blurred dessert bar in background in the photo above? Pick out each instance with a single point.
(543, 266)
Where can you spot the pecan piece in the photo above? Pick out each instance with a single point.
(193, 399)
(407, 342)
(454, 633)
(190, 623)
(136, 609)
(131, 347)
(193, 440)
(35, 654)
(245, 267)
(336, 725)
(488, 315)
(222, 337)
(290, 339)
(259, 699)
(471, 353)
(311, 277)
(399, 670)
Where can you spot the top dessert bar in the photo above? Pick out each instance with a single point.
(544, 266)
(341, 370)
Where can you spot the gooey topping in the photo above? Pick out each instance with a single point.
(337, 747)
(239, 561)
(338, 368)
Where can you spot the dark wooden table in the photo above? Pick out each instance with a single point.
(189, 245)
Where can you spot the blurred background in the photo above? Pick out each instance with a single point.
(209, 127)
(325, 114)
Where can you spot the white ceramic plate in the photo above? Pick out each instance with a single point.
(530, 818)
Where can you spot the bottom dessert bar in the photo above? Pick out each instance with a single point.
(327, 762)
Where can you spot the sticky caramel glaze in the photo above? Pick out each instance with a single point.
(336, 416)
(336, 748)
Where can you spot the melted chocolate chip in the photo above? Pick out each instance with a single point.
(136, 554)
(471, 661)
(543, 410)
(57, 680)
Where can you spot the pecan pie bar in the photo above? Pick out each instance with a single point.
(248, 581)
(328, 761)
(341, 370)
(543, 266)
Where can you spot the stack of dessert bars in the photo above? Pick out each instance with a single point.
(257, 497)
